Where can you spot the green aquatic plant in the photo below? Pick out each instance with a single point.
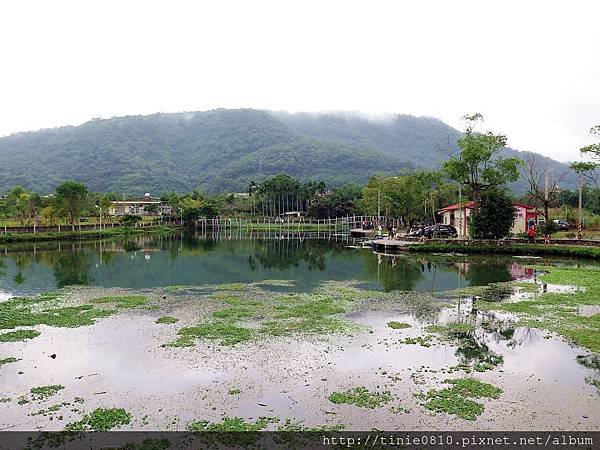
(225, 333)
(19, 335)
(9, 360)
(362, 397)
(167, 319)
(42, 310)
(456, 399)
(423, 341)
(43, 392)
(101, 419)
(398, 325)
(122, 301)
(234, 313)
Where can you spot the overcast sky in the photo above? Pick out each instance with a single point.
(531, 68)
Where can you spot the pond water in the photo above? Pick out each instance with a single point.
(124, 360)
(177, 259)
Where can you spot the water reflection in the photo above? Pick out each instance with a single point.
(182, 259)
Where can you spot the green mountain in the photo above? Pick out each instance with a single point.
(222, 150)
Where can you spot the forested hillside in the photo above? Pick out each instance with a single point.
(222, 150)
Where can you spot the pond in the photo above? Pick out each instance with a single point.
(307, 330)
(181, 259)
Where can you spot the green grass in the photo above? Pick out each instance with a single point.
(42, 310)
(578, 251)
(224, 333)
(280, 315)
(557, 311)
(456, 399)
(361, 397)
(398, 325)
(423, 341)
(43, 392)
(122, 301)
(234, 391)
(234, 313)
(232, 431)
(69, 235)
(101, 419)
(8, 360)
(167, 319)
(19, 335)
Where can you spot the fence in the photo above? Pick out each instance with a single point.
(338, 224)
(34, 229)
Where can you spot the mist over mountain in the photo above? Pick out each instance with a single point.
(223, 150)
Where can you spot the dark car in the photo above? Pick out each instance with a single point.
(562, 225)
(440, 231)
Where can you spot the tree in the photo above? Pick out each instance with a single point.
(593, 149)
(478, 165)
(583, 169)
(71, 198)
(496, 216)
(543, 184)
(411, 197)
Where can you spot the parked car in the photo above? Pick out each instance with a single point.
(437, 230)
(440, 230)
(562, 225)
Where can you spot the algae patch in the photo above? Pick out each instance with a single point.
(101, 419)
(456, 400)
(361, 397)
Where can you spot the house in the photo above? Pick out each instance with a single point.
(145, 206)
(458, 216)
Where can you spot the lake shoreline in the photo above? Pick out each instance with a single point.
(81, 235)
(507, 249)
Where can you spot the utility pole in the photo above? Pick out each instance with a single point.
(378, 204)
(580, 224)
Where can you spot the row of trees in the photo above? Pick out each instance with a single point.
(69, 202)
(477, 173)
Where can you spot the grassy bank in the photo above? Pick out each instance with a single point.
(560, 312)
(80, 235)
(509, 249)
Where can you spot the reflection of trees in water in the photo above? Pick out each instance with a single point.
(22, 261)
(471, 351)
(72, 267)
(282, 254)
(187, 244)
(401, 274)
(482, 273)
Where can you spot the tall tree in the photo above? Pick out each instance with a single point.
(478, 165)
(72, 197)
(544, 184)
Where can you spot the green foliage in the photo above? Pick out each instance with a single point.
(222, 151)
(101, 419)
(495, 218)
(71, 199)
(130, 220)
(479, 165)
(407, 196)
(361, 397)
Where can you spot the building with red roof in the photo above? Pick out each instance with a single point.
(458, 215)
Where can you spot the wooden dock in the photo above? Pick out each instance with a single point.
(390, 246)
(360, 233)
